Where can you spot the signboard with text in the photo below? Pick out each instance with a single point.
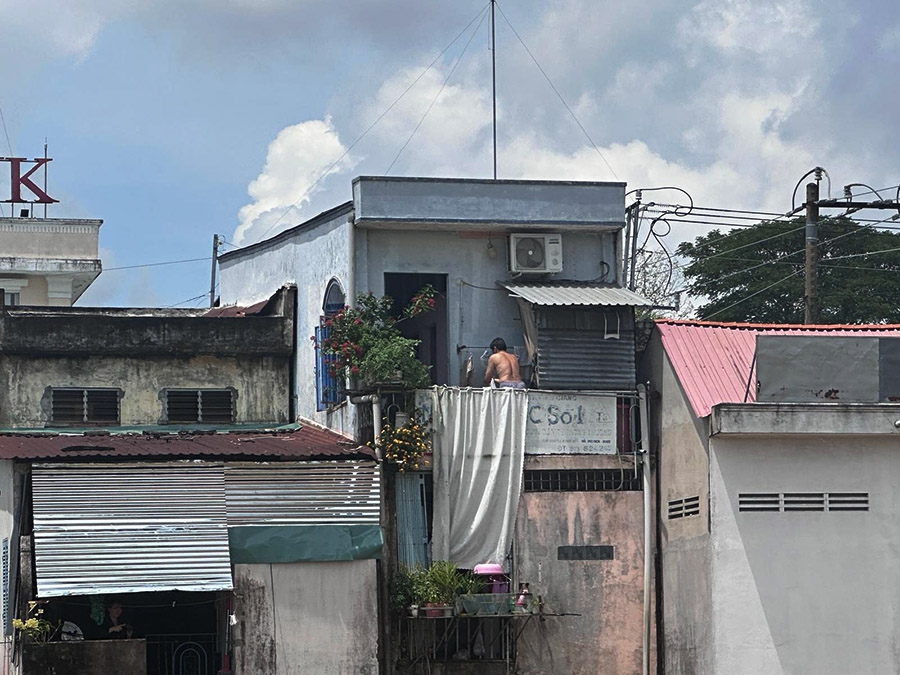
(573, 423)
(21, 171)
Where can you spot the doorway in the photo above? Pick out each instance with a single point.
(429, 328)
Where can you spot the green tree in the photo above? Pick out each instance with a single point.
(757, 274)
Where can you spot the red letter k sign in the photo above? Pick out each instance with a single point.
(17, 180)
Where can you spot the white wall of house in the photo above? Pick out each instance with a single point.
(804, 592)
(310, 258)
(306, 617)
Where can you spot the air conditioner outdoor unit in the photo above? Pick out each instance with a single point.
(535, 253)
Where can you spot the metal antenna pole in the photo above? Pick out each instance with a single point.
(494, 83)
(811, 285)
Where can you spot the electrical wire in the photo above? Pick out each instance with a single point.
(744, 299)
(438, 95)
(156, 264)
(196, 297)
(378, 119)
(556, 91)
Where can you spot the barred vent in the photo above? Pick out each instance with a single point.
(205, 406)
(683, 508)
(582, 480)
(803, 501)
(84, 406)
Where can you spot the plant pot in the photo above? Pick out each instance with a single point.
(414, 611)
(433, 611)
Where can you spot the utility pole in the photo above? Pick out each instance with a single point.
(811, 295)
(212, 279)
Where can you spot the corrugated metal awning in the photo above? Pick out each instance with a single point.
(576, 293)
(303, 493)
(124, 528)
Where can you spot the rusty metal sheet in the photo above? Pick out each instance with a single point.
(307, 442)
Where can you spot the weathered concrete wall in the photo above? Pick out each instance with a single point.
(59, 238)
(302, 618)
(261, 384)
(680, 441)
(607, 595)
(88, 657)
(805, 592)
(310, 258)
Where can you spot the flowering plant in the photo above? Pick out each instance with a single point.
(34, 628)
(364, 342)
(404, 446)
(421, 302)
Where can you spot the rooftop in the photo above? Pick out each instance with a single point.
(715, 361)
(289, 442)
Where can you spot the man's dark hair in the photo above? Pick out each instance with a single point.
(499, 344)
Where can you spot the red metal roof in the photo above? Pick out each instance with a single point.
(307, 442)
(714, 361)
(233, 310)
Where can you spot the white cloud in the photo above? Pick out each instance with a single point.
(299, 160)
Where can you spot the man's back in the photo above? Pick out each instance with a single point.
(504, 367)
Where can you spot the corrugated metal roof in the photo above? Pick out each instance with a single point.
(576, 293)
(714, 361)
(123, 528)
(307, 442)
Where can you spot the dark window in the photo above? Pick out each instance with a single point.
(204, 406)
(582, 480)
(84, 406)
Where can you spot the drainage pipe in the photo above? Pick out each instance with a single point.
(648, 553)
(375, 400)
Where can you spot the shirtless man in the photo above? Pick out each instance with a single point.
(503, 366)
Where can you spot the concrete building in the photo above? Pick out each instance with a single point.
(538, 263)
(147, 458)
(778, 508)
(47, 261)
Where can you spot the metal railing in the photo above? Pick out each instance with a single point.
(184, 654)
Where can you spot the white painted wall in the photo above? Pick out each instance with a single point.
(307, 617)
(805, 592)
(309, 258)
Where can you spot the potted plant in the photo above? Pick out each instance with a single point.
(363, 344)
(405, 445)
(448, 582)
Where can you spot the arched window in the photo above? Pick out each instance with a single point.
(329, 389)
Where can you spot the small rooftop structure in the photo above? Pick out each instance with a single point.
(715, 361)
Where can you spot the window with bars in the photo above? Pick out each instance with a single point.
(581, 480)
(200, 406)
(74, 406)
(329, 391)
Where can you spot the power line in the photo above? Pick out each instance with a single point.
(156, 264)
(762, 290)
(438, 95)
(371, 126)
(556, 91)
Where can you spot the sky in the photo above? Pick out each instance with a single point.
(175, 120)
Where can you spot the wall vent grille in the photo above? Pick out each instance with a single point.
(802, 501)
(683, 508)
(582, 480)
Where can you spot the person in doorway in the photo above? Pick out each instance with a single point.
(502, 367)
(116, 625)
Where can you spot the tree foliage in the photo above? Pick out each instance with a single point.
(757, 274)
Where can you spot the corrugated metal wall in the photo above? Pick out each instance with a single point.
(584, 359)
(120, 528)
(303, 493)
(412, 530)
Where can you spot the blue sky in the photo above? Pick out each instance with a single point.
(178, 119)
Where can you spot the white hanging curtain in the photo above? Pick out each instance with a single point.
(479, 449)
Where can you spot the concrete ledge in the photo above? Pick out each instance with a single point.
(809, 419)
